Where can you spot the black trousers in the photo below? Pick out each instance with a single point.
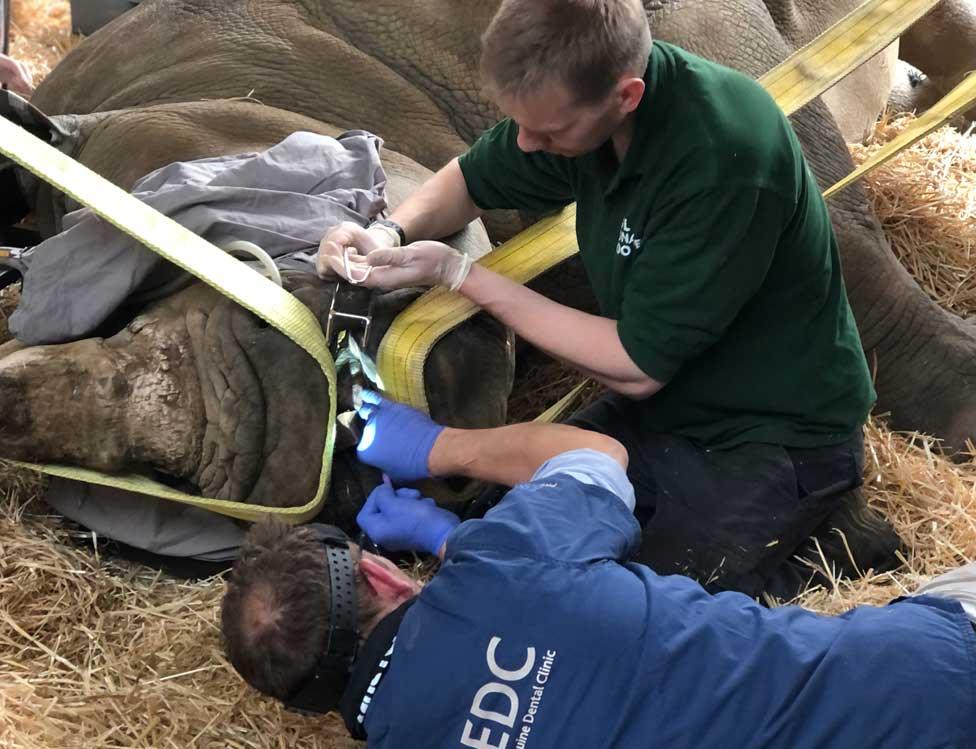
(735, 519)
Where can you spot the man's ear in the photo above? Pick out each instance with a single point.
(630, 91)
(388, 585)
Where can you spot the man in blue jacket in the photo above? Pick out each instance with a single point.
(537, 632)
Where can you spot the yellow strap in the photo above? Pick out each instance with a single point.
(962, 97)
(802, 77)
(197, 256)
(846, 45)
(557, 409)
(407, 344)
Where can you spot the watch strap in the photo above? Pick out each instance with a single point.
(393, 226)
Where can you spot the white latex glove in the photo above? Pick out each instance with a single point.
(15, 76)
(418, 264)
(343, 248)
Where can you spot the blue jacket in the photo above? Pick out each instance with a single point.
(536, 634)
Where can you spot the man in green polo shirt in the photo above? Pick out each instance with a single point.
(738, 383)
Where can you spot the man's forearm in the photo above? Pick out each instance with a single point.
(588, 342)
(439, 208)
(512, 454)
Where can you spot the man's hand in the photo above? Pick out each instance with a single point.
(357, 242)
(15, 76)
(397, 439)
(402, 520)
(423, 263)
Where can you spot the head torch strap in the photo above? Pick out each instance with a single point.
(320, 692)
(344, 612)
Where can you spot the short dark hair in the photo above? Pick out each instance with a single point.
(587, 45)
(275, 614)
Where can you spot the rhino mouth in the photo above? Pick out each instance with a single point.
(233, 406)
(265, 406)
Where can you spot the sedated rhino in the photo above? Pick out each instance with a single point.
(176, 80)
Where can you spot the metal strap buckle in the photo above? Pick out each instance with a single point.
(342, 340)
(330, 326)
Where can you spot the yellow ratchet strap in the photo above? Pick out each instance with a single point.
(842, 48)
(404, 349)
(230, 277)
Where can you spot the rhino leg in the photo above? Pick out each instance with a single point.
(915, 92)
(924, 356)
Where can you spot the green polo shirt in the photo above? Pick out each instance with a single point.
(712, 248)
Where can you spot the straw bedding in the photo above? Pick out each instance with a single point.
(96, 652)
(99, 653)
(40, 34)
(926, 201)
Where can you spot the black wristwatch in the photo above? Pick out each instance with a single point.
(389, 224)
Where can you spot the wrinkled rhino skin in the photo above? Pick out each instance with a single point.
(205, 393)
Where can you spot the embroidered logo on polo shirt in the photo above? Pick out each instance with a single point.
(628, 241)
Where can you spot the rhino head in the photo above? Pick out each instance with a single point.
(205, 395)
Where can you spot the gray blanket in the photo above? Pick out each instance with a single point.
(283, 200)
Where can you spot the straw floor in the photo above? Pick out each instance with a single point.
(99, 653)
(40, 34)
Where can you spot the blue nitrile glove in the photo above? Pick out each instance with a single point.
(397, 439)
(402, 520)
